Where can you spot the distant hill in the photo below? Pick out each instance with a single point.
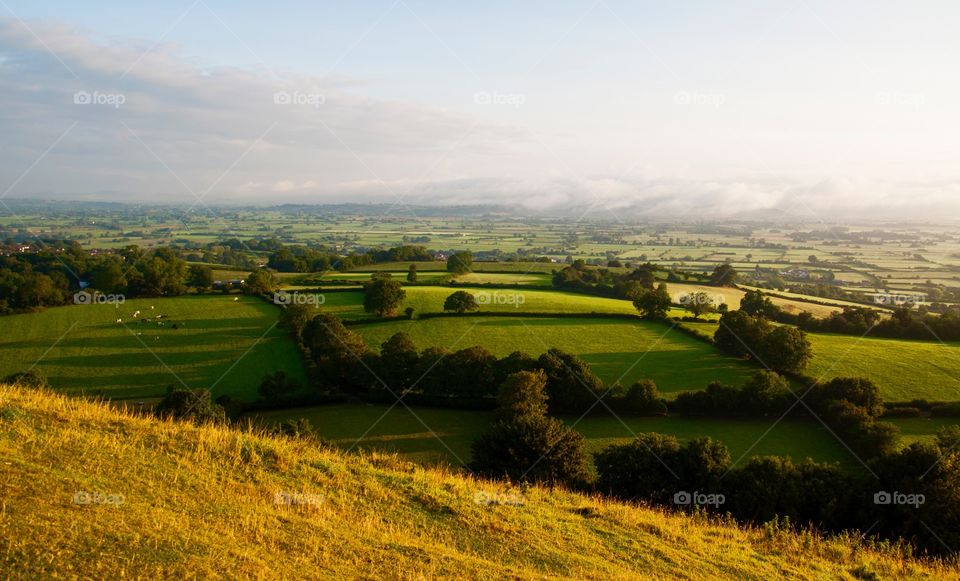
(89, 492)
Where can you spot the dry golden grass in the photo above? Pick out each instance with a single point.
(201, 502)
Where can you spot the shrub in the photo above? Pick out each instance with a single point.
(278, 385)
(383, 296)
(643, 398)
(460, 302)
(31, 378)
(191, 405)
(525, 444)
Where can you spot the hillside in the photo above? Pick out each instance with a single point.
(174, 500)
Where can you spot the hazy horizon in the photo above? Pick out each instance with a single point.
(803, 109)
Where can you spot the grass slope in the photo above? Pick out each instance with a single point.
(616, 350)
(221, 343)
(201, 502)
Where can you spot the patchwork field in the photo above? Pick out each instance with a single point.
(430, 435)
(624, 351)
(504, 278)
(732, 296)
(904, 370)
(219, 343)
(429, 299)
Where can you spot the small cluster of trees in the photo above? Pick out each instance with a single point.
(299, 258)
(765, 393)
(525, 443)
(579, 276)
(780, 348)
(47, 278)
(904, 323)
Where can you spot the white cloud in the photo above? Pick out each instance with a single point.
(257, 136)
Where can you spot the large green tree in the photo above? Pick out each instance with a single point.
(653, 304)
(460, 302)
(383, 296)
(460, 262)
(525, 444)
(724, 275)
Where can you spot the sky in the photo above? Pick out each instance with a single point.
(711, 109)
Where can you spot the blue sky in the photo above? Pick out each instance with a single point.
(743, 105)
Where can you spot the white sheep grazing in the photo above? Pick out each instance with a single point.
(136, 314)
(151, 307)
(235, 299)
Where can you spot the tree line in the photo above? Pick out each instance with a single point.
(911, 494)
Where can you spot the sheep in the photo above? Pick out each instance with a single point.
(151, 307)
(119, 321)
(136, 314)
(235, 299)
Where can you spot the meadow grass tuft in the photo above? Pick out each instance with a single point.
(89, 491)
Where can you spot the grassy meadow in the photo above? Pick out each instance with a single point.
(443, 436)
(188, 502)
(903, 369)
(429, 299)
(616, 350)
(220, 343)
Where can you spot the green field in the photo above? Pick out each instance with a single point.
(220, 343)
(504, 278)
(616, 350)
(431, 435)
(904, 369)
(921, 429)
(429, 299)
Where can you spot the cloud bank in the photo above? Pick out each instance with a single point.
(128, 121)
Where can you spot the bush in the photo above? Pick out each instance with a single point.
(383, 296)
(460, 302)
(31, 378)
(644, 399)
(655, 467)
(571, 385)
(190, 405)
(525, 444)
(903, 412)
(949, 410)
(278, 385)
(460, 262)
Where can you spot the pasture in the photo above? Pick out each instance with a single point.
(616, 350)
(429, 299)
(904, 369)
(504, 278)
(431, 436)
(219, 343)
(732, 296)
